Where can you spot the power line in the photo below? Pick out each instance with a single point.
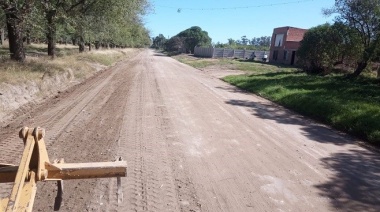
(235, 8)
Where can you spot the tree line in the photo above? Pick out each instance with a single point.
(195, 36)
(352, 40)
(115, 23)
(256, 43)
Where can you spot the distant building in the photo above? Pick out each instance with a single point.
(284, 44)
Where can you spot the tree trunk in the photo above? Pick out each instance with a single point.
(81, 44)
(28, 41)
(81, 47)
(74, 41)
(89, 46)
(2, 30)
(16, 45)
(51, 32)
(97, 45)
(361, 66)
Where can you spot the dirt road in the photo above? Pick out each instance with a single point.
(193, 143)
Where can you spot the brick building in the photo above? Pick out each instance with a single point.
(284, 44)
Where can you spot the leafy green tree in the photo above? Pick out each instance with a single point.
(221, 45)
(244, 40)
(117, 24)
(159, 41)
(194, 36)
(364, 17)
(175, 43)
(15, 12)
(121, 23)
(326, 45)
(231, 42)
(54, 11)
(263, 41)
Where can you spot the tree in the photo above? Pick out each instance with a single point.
(15, 12)
(51, 9)
(326, 45)
(87, 21)
(244, 40)
(159, 42)
(2, 27)
(263, 41)
(364, 17)
(194, 36)
(174, 43)
(231, 42)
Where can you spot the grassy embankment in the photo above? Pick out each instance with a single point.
(349, 105)
(38, 64)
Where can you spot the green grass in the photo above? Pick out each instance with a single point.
(233, 64)
(196, 62)
(349, 105)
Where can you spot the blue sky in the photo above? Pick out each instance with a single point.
(253, 18)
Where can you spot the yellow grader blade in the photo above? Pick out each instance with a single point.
(35, 166)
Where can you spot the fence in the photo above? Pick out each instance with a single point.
(229, 53)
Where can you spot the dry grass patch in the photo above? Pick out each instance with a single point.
(104, 57)
(252, 67)
(38, 67)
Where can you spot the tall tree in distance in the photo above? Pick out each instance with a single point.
(194, 36)
(159, 41)
(231, 42)
(244, 40)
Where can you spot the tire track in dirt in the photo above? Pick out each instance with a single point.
(98, 128)
(64, 109)
(65, 118)
(195, 143)
(57, 117)
(119, 112)
(150, 184)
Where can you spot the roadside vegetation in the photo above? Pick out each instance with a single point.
(186, 40)
(48, 38)
(351, 42)
(85, 23)
(351, 105)
(348, 104)
(338, 82)
(39, 65)
(257, 43)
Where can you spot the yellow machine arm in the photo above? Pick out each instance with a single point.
(35, 166)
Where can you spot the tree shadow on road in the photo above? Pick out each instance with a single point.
(312, 130)
(355, 184)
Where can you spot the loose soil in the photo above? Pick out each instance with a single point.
(193, 143)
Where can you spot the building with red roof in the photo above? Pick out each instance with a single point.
(284, 44)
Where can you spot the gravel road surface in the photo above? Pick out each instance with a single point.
(193, 143)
